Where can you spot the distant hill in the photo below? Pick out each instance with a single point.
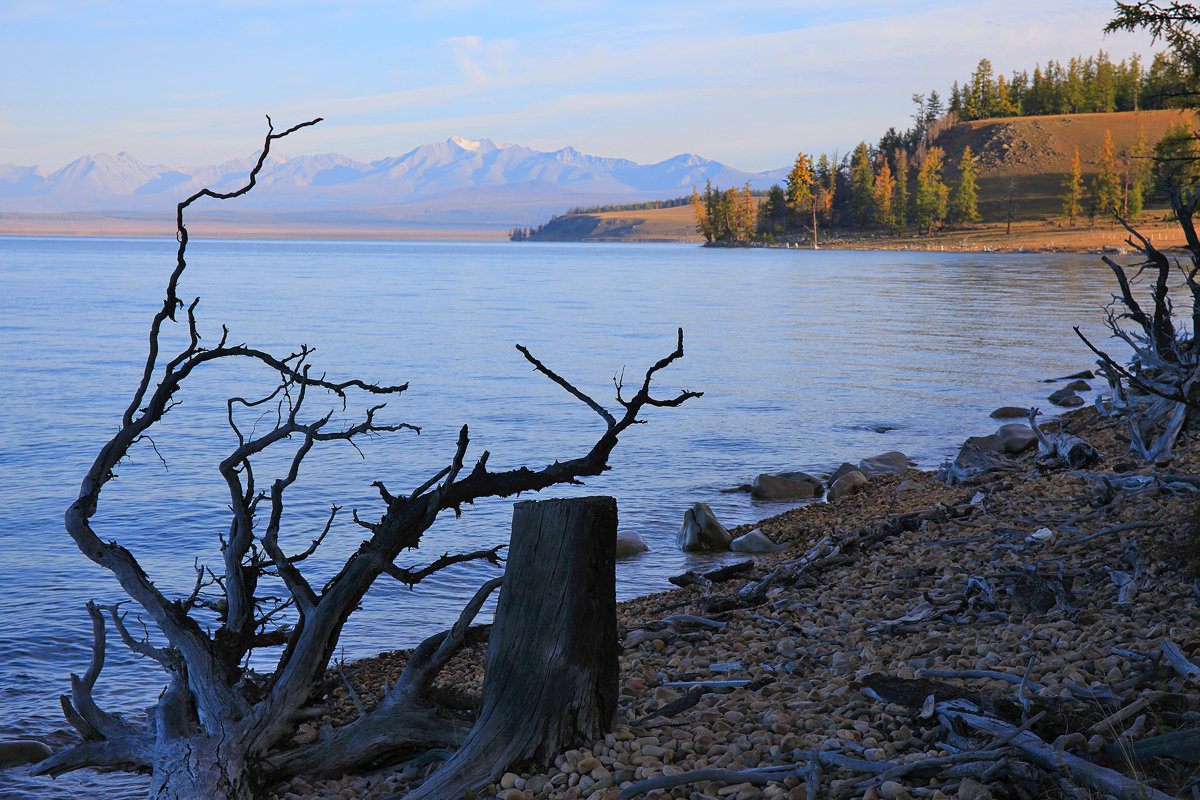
(459, 182)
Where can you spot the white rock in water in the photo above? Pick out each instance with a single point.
(701, 531)
(630, 543)
(754, 542)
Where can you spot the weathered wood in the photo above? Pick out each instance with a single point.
(552, 670)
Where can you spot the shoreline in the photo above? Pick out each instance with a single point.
(872, 592)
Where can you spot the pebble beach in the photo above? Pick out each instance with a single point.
(1038, 592)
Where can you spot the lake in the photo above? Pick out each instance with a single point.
(803, 358)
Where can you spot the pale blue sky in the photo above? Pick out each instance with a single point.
(747, 83)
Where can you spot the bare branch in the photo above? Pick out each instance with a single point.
(411, 577)
(564, 383)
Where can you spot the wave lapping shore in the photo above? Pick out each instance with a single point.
(1057, 602)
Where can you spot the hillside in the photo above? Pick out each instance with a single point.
(1035, 153)
(1031, 154)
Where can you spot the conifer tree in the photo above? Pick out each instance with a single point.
(966, 195)
(862, 184)
(1137, 175)
(800, 197)
(703, 206)
(1105, 193)
(932, 194)
(1073, 190)
(826, 180)
(883, 194)
(900, 203)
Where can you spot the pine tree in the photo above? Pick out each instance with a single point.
(966, 196)
(1105, 194)
(1073, 190)
(826, 180)
(883, 194)
(932, 194)
(901, 200)
(862, 183)
(1137, 175)
(800, 188)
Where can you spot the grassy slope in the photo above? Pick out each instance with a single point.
(1032, 154)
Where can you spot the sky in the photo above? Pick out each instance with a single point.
(189, 82)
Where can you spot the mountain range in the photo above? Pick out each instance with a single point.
(459, 182)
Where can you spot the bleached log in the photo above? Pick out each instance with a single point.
(1179, 662)
(1040, 752)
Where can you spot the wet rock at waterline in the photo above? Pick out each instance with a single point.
(754, 542)
(629, 544)
(849, 483)
(786, 486)
(992, 442)
(701, 531)
(1085, 375)
(23, 751)
(1009, 412)
(1066, 398)
(891, 463)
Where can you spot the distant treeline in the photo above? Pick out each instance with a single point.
(674, 202)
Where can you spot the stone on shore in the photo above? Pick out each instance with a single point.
(890, 463)
(842, 470)
(786, 487)
(1009, 412)
(701, 531)
(629, 544)
(754, 542)
(23, 751)
(993, 443)
(1066, 398)
(850, 483)
(1017, 438)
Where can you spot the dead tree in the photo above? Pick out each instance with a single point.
(220, 731)
(1157, 388)
(551, 681)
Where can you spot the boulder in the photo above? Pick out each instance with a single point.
(754, 542)
(991, 442)
(852, 482)
(630, 543)
(23, 751)
(1086, 375)
(891, 463)
(1017, 438)
(1078, 386)
(842, 470)
(1066, 397)
(1009, 412)
(779, 487)
(701, 531)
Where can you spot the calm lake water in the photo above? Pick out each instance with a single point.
(801, 356)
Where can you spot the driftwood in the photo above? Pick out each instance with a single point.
(551, 680)
(1082, 771)
(1071, 449)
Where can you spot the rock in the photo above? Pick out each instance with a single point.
(1086, 375)
(777, 487)
(890, 790)
(754, 542)
(992, 442)
(1017, 437)
(971, 789)
(1009, 412)
(630, 543)
(891, 463)
(701, 531)
(852, 482)
(1066, 398)
(842, 470)
(745, 487)
(1079, 386)
(23, 751)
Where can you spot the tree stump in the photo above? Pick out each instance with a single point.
(552, 669)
